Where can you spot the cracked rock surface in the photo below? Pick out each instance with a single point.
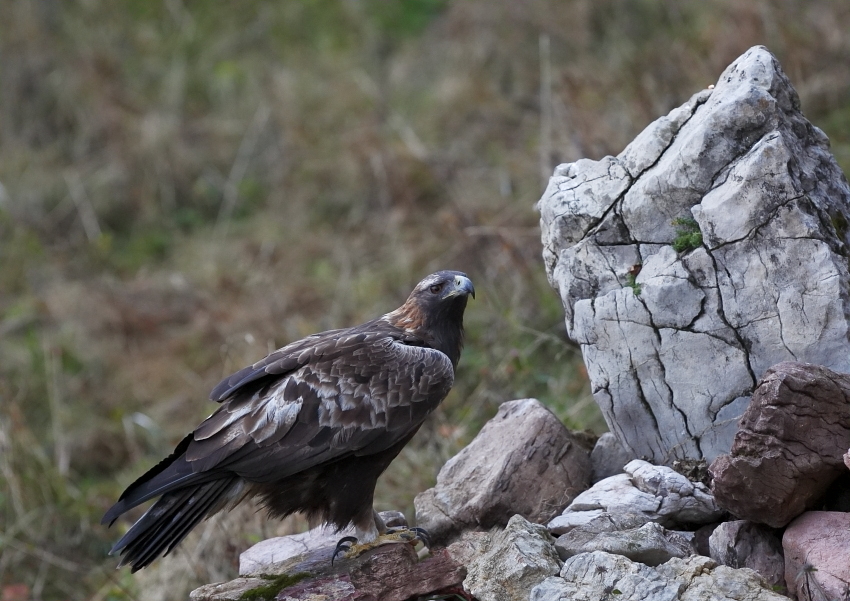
(507, 564)
(524, 461)
(599, 575)
(675, 339)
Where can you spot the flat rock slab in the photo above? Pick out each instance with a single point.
(817, 555)
(602, 576)
(659, 493)
(391, 572)
(744, 544)
(789, 447)
(649, 544)
(714, 246)
(523, 462)
(257, 558)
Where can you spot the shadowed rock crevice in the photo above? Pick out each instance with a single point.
(768, 282)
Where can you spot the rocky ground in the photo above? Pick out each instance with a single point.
(704, 271)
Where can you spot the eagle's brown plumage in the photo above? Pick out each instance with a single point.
(310, 427)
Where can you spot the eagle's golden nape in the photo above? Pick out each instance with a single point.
(310, 427)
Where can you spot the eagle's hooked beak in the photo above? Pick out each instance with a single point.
(461, 285)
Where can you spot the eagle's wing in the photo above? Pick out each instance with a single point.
(355, 391)
(358, 394)
(282, 361)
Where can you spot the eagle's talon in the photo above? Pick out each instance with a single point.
(422, 534)
(344, 545)
(350, 548)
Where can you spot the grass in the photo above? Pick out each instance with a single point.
(184, 186)
(631, 282)
(688, 235)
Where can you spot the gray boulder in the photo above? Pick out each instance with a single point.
(743, 544)
(711, 248)
(524, 461)
(659, 493)
(507, 564)
(596, 521)
(599, 575)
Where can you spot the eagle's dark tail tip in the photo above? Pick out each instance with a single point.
(170, 519)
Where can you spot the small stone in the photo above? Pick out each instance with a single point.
(600, 576)
(607, 458)
(743, 544)
(571, 519)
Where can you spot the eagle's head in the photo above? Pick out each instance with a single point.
(434, 311)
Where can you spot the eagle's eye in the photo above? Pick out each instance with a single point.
(436, 288)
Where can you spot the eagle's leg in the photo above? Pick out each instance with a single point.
(373, 533)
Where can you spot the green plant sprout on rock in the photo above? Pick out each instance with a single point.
(631, 278)
(631, 283)
(688, 236)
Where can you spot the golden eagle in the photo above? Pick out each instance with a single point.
(310, 427)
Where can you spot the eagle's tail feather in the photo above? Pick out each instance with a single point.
(171, 518)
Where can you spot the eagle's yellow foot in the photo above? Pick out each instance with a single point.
(349, 548)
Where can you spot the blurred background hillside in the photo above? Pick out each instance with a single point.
(187, 185)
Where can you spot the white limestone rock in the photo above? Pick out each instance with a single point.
(657, 492)
(257, 558)
(511, 562)
(599, 575)
(673, 354)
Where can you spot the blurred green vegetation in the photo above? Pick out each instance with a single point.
(187, 185)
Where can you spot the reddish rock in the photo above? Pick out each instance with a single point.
(397, 580)
(789, 445)
(390, 572)
(523, 462)
(817, 555)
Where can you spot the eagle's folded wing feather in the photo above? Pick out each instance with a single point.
(358, 394)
